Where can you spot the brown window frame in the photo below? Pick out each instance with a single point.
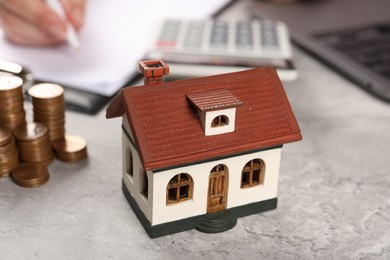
(220, 120)
(253, 173)
(179, 188)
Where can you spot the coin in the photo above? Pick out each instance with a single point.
(8, 152)
(46, 91)
(5, 136)
(71, 148)
(34, 143)
(11, 102)
(9, 83)
(49, 108)
(11, 163)
(30, 175)
(32, 131)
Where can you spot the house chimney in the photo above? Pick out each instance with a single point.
(153, 71)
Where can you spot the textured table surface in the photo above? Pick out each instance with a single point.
(334, 191)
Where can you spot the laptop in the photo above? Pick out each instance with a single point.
(353, 36)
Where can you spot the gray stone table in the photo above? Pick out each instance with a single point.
(334, 191)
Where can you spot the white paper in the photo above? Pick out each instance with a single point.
(115, 37)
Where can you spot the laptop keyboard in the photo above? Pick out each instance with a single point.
(369, 46)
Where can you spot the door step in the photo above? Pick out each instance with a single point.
(217, 222)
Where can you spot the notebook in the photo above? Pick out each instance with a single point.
(353, 36)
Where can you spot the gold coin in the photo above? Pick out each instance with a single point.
(4, 173)
(11, 163)
(15, 93)
(30, 175)
(8, 151)
(10, 82)
(45, 91)
(11, 105)
(71, 148)
(47, 113)
(5, 136)
(48, 121)
(49, 108)
(12, 99)
(31, 131)
(54, 101)
(13, 122)
(34, 143)
(70, 144)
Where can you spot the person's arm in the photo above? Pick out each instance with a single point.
(31, 22)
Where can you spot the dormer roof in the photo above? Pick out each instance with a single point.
(167, 131)
(215, 99)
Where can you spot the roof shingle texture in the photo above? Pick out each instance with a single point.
(213, 100)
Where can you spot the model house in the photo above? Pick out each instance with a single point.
(199, 153)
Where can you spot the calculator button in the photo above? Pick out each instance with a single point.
(194, 35)
(269, 36)
(166, 43)
(169, 33)
(244, 37)
(219, 34)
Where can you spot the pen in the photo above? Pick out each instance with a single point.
(71, 35)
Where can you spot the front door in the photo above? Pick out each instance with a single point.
(217, 189)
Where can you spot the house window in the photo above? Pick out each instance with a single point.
(145, 187)
(179, 188)
(253, 173)
(220, 120)
(129, 162)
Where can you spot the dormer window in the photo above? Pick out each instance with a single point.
(216, 109)
(220, 120)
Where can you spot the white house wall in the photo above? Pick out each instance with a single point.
(134, 183)
(236, 196)
(268, 190)
(210, 115)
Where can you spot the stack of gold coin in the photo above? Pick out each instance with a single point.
(11, 102)
(8, 152)
(49, 108)
(34, 143)
(30, 175)
(70, 149)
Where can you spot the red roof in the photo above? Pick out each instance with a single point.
(168, 132)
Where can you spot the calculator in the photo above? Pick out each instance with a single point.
(194, 48)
